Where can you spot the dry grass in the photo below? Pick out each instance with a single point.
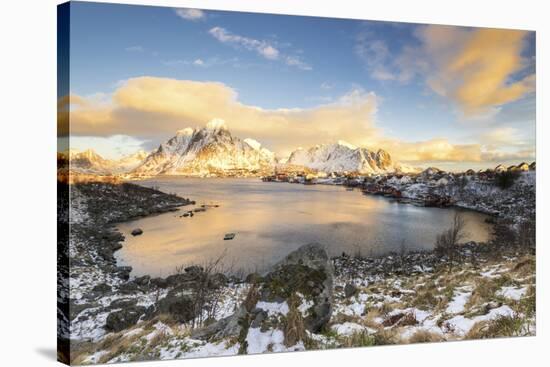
(294, 330)
(386, 337)
(359, 339)
(484, 291)
(504, 326)
(425, 336)
(252, 298)
(525, 266)
(116, 344)
(425, 300)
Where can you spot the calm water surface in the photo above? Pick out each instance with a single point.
(272, 219)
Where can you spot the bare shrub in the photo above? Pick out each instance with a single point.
(447, 242)
(206, 295)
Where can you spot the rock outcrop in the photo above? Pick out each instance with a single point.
(296, 295)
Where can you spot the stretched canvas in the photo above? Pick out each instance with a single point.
(239, 183)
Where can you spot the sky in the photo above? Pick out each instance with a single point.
(431, 95)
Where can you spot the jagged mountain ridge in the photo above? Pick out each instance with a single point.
(214, 151)
(344, 157)
(90, 162)
(208, 151)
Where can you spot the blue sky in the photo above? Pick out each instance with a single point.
(414, 88)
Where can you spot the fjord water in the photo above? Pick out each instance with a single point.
(272, 219)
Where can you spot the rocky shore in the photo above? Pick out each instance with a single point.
(508, 196)
(306, 301)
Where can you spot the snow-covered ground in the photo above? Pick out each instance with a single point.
(494, 297)
(387, 300)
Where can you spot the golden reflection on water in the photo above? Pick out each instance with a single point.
(272, 219)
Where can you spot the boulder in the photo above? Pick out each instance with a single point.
(102, 288)
(178, 303)
(123, 303)
(143, 281)
(128, 288)
(304, 277)
(123, 319)
(230, 326)
(159, 282)
(136, 231)
(309, 272)
(123, 272)
(350, 290)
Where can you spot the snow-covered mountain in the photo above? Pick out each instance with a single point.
(90, 162)
(128, 163)
(210, 151)
(345, 157)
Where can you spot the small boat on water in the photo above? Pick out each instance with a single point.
(229, 236)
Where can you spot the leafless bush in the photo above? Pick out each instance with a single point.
(205, 288)
(447, 242)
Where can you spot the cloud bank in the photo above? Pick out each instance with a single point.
(154, 108)
(477, 69)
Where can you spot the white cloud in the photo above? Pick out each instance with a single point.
(265, 49)
(190, 14)
(134, 49)
(261, 47)
(269, 52)
(198, 62)
(376, 55)
(296, 61)
(205, 63)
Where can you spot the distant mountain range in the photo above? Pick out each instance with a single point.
(344, 157)
(90, 162)
(214, 151)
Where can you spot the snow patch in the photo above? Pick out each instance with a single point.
(349, 328)
(458, 302)
(270, 340)
(512, 292)
(273, 308)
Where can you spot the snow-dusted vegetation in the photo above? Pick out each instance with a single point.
(308, 301)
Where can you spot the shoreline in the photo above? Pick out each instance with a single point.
(100, 289)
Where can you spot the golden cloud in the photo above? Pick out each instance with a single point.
(433, 150)
(154, 106)
(150, 107)
(476, 68)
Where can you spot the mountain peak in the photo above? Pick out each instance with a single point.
(186, 132)
(346, 144)
(216, 124)
(210, 151)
